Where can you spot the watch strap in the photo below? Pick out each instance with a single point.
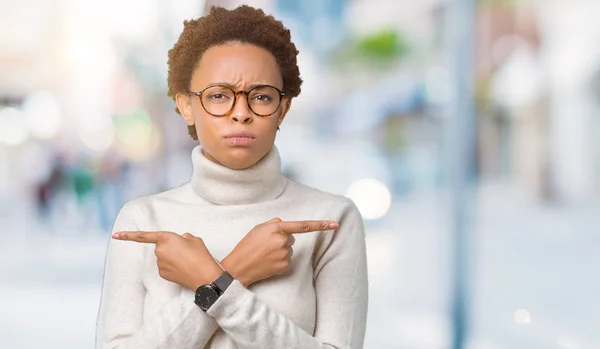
(223, 282)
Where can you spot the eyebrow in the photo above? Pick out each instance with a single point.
(226, 84)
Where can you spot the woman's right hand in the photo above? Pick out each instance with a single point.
(266, 250)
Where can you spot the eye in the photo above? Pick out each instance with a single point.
(262, 98)
(218, 96)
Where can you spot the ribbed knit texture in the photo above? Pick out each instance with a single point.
(320, 302)
(220, 185)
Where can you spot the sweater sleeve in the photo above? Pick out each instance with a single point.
(341, 290)
(179, 324)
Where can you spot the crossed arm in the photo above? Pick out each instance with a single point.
(340, 285)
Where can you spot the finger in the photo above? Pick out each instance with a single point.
(291, 240)
(291, 252)
(307, 226)
(271, 221)
(151, 237)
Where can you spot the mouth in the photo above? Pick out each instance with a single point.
(242, 134)
(240, 138)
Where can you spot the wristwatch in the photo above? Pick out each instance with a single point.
(207, 295)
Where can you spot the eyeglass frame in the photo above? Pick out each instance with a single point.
(235, 97)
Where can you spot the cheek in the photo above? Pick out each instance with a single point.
(202, 118)
(207, 126)
(271, 120)
(267, 125)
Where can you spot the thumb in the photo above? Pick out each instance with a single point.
(274, 220)
(187, 236)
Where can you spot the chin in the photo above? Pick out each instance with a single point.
(240, 158)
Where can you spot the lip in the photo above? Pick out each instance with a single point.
(241, 134)
(242, 138)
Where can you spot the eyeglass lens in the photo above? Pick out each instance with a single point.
(262, 100)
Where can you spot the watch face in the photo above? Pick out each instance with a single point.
(205, 297)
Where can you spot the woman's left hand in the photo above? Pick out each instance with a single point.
(182, 259)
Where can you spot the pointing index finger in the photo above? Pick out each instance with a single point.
(299, 227)
(152, 237)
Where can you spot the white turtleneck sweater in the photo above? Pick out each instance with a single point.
(320, 302)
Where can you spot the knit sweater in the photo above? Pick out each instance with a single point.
(319, 302)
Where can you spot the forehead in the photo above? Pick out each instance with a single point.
(237, 64)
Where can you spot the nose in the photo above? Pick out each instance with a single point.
(241, 112)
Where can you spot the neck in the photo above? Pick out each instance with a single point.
(221, 185)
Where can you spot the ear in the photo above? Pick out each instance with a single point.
(286, 103)
(184, 105)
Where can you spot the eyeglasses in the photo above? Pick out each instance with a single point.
(262, 100)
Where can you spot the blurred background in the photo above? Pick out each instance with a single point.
(85, 125)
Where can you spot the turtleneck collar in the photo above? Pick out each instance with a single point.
(221, 185)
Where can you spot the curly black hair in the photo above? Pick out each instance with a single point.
(243, 24)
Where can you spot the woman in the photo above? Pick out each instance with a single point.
(284, 282)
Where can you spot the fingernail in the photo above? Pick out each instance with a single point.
(333, 225)
(115, 235)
